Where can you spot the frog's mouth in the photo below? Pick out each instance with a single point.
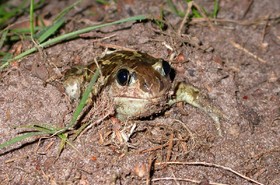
(134, 107)
(137, 99)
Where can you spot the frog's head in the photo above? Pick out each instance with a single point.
(139, 84)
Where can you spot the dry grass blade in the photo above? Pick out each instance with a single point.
(211, 165)
(238, 46)
(185, 17)
(186, 180)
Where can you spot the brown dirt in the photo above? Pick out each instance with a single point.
(246, 88)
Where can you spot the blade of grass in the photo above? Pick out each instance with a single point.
(3, 38)
(71, 35)
(6, 56)
(64, 140)
(50, 30)
(103, 2)
(11, 12)
(174, 8)
(20, 138)
(195, 12)
(82, 103)
(7, 11)
(66, 10)
(216, 9)
(31, 18)
(160, 21)
(57, 23)
(37, 130)
(78, 132)
(44, 128)
(23, 30)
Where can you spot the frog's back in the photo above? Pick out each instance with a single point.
(124, 59)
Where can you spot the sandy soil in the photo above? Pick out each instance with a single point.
(236, 64)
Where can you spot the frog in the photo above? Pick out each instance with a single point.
(139, 85)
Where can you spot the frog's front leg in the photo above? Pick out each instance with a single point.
(191, 95)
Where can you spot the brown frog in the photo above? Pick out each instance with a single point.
(139, 85)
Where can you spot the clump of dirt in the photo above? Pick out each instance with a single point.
(241, 75)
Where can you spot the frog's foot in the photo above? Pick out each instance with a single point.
(191, 95)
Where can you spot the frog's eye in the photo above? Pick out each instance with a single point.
(162, 67)
(166, 67)
(123, 77)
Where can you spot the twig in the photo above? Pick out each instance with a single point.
(169, 148)
(150, 168)
(187, 180)
(211, 165)
(275, 119)
(240, 22)
(95, 123)
(264, 29)
(99, 68)
(204, 16)
(153, 149)
(192, 135)
(238, 46)
(248, 8)
(190, 4)
(175, 179)
(115, 46)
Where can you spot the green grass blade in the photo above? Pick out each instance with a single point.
(47, 32)
(174, 9)
(46, 129)
(57, 23)
(39, 130)
(64, 140)
(72, 35)
(3, 38)
(83, 101)
(195, 12)
(31, 18)
(8, 11)
(23, 30)
(66, 10)
(103, 2)
(12, 12)
(20, 138)
(216, 9)
(6, 56)
(78, 132)
(85, 30)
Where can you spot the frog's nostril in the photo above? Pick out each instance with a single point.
(146, 87)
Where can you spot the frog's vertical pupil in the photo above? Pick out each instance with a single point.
(123, 77)
(166, 67)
